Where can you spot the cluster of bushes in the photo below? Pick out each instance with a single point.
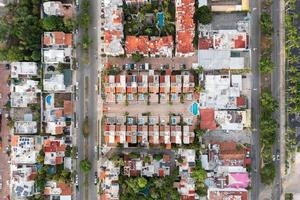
(60, 175)
(292, 43)
(84, 21)
(144, 20)
(148, 188)
(268, 128)
(265, 64)
(20, 32)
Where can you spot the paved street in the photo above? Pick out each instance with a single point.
(255, 43)
(87, 105)
(278, 91)
(4, 133)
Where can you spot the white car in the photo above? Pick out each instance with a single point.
(273, 157)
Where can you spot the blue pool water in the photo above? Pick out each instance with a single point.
(194, 109)
(161, 19)
(49, 99)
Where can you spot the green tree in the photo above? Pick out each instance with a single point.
(68, 151)
(14, 54)
(69, 24)
(266, 23)
(203, 15)
(267, 173)
(53, 23)
(268, 103)
(142, 182)
(137, 57)
(266, 65)
(85, 166)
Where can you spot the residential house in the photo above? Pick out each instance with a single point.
(232, 6)
(227, 193)
(186, 186)
(188, 134)
(23, 93)
(23, 69)
(142, 81)
(175, 88)
(110, 134)
(142, 134)
(113, 28)
(131, 89)
(23, 150)
(153, 83)
(188, 86)
(22, 181)
(109, 89)
(57, 8)
(57, 40)
(161, 46)
(176, 132)
(153, 168)
(54, 150)
(164, 89)
(109, 177)
(185, 27)
(155, 46)
(153, 129)
(55, 56)
(131, 130)
(25, 127)
(120, 88)
(59, 190)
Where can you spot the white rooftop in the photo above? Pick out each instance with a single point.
(221, 91)
(23, 68)
(21, 185)
(23, 151)
(25, 127)
(56, 55)
(53, 8)
(24, 93)
(55, 82)
(211, 59)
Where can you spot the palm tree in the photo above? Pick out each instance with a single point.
(293, 69)
(293, 90)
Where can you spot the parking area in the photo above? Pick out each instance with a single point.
(227, 21)
(4, 133)
(243, 136)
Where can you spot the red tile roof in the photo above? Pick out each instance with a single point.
(136, 44)
(143, 45)
(57, 38)
(65, 189)
(240, 101)
(207, 119)
(232, 195)
(205, 43)
(68, 108)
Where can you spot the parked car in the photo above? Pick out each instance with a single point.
(273, 157)
(96, 178)
(76, 180)
(277, 154)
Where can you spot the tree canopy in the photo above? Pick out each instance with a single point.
(203, 15)
(266, 65)
(85, 166)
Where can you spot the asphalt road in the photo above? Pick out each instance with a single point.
(278, 91)
(255, 55)
(87, 104)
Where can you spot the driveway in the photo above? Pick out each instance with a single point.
(4, 166)
(161, 109)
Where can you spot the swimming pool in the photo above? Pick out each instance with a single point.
(49, 99)
(194, 108)
(161, 19)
